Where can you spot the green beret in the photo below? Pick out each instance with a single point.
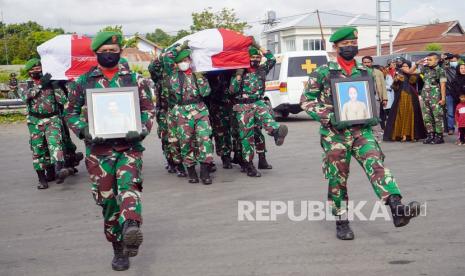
(344, 33)
(253, 51)
(103, 38)
(182, 55)
(31, 63)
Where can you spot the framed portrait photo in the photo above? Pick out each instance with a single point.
(112, 112)
(354, 99)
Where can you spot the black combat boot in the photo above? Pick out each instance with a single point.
(226, 162)
(181, 171)
(212, 167)
(61, 172)
(51, 176)
(279, 134)
(343, 231)
(262, 163)
(120, 260)
(171, 167)
(77, 157)
(193, 178)
(252, 171)
(438, 139)
(429, 138)
(237, 157)
(43, 184)
(205, 173)
(401, 214)
(132, 237)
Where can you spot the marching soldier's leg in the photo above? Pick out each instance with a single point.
(174, 148)
(260, 148)
(246, 121)
(268, 122)
(203, 132)
(185, 133)
(129, 182)
(438, 115)
(55, 146)
(369, 155)
(72, 158)
(336, 165)
(39, 149)
(427, 119)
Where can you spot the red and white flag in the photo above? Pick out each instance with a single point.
(218, 49)
(66, 57)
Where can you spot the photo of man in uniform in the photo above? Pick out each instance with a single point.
(354, 109)
(115, 118)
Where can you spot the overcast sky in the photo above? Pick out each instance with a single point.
(88, 16)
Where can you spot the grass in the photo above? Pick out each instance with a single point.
(9, 118)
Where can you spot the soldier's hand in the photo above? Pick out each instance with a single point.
(239, 73)
(98, 141)
(442, 102)
(85, 135)
(185, 44)
(134, 136)
(198, 75)
(45, 80)
(372, 122)
(338, 125)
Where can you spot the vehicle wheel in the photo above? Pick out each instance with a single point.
(285, 114)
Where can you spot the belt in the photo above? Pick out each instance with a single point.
(195, 101)
(42, 116)
(246, 101)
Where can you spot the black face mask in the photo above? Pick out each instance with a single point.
(108, 60)
(348, 52)
(35, 75)
(254, 63)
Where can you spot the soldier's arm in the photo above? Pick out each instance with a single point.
(309, 100)
(73, 108)
(167, 58)
(29, 93)
(147, 110)
(60, 96)
(443, 81)
(270, 60)
(156, 70)
(236, 80)
(203, 85)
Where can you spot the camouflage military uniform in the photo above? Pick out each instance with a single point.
(43, 122)
(115, 167)
(433, 112)
(340, 145)
(190, 112)
(251, 110)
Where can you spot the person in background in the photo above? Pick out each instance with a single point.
(450, 65)
(390, 93)
(380, 86)
(460, 118)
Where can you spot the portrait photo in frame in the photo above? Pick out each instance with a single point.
(354, 99)
(113, 112)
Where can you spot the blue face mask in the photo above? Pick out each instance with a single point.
(453, 64)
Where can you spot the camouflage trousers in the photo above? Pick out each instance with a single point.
(251, 117)
(173, 147)
(433, 114)
(162, 131)
(194, 132)
(338, 149)
(221, 119)
(45, 141)
(116, 183)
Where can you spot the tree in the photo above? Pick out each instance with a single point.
(208, 19)
(160, 37)
(116, 28)
(433, 47)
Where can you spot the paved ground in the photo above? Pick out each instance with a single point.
(193, 229)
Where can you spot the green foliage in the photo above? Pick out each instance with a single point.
(9, 118)
(433, 47)
(160, 37)
(116, 28)
(22, 40)
(226, 18)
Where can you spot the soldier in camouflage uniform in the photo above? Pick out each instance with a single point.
(114, 165)
(43, 100)
(192, 117)
(166, 130)
(340, 141)
(251, 111)
(433, 96)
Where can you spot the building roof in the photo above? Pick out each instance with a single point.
(148, 41)
(449, 35)
(331, 18)
(135, 55)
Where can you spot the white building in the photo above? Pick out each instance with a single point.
(302, 33)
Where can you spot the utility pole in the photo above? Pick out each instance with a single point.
(323, 43)
(383, 25)
(4, 39)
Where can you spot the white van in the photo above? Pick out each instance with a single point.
(285, 82)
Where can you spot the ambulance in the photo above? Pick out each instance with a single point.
(286, 80)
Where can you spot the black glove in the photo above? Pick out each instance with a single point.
(134, 136)
(45, 80)
(85, 135)
(56, 84)
(338, 125)
(372, 122)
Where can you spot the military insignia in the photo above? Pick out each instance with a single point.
(114, 39)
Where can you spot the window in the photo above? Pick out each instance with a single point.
(290, 45)
(274, 73)
(312, 44)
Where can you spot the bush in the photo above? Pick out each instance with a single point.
(9, 118)
(433, 47)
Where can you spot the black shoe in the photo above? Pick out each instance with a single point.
(181, 171)
(193, 178)
(438, 139)
(279, 134)
(50, 173)
(120, 261)
(262, 163)
(212, 167)
(78, 156)
(43, 184)
(237, 157)
(226, 162)
(171, 167)
(61, 172)
(401, 214)
(343, 231)
(252, 171)
(429, 138)
(205, 173)
(132, 237)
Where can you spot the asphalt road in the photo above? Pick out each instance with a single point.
(194, 229)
